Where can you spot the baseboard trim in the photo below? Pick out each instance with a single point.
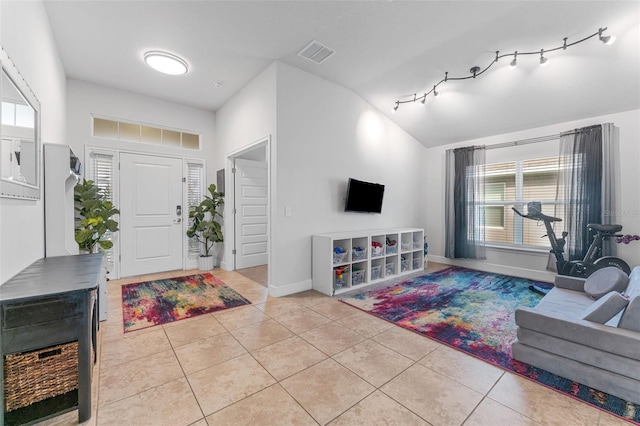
(480, 265)
(287, 289)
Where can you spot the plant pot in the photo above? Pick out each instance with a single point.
(206, 263)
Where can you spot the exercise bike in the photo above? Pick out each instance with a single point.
(591, 262)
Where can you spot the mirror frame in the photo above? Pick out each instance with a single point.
(17, 189)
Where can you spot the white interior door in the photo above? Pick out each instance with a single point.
(251, 209)
(150, 220)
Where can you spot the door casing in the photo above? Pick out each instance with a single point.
(229, 228)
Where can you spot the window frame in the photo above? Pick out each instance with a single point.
(519, 202)
(113, 256)
(190, 255)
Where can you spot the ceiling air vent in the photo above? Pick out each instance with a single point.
(316, 52)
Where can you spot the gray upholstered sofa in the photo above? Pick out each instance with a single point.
(593, 342)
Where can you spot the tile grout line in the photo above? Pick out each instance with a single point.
(328, 357)
(485, 396)
(154, 387)
(376, 388)
(294, 335)
(278, 382)
(98, 366)
(173, 349)
(247, 352)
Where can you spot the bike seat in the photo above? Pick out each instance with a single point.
(607, 229)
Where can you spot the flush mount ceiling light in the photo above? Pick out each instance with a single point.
(477, 71)
(166, 63)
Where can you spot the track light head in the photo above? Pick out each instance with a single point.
(424, 99)
(395, 108)
(514, 62)
(608, 40)
(435, 92)
(543, 60)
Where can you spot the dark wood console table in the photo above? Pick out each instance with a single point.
(52, 302)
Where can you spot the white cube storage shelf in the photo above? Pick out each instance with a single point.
(384, 254)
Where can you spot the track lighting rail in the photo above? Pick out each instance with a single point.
(476, 71)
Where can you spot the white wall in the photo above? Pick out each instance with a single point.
(321, 134)
(528, 264)
(85, 99)
(249, 116)
(327, 134)
(26, 35)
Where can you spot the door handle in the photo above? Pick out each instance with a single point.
(178, 220)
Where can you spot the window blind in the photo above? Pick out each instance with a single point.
(195, 191)
(102, 174)
(514, 184)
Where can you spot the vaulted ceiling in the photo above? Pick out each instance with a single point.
(385, 51)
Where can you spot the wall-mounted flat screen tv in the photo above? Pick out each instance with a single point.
(364, 197)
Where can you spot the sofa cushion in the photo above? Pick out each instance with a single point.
(605, 308)
(564, 303)
(570, 283)
(605, 280)
(631, 317)
(609, 361)
(588, 333)
(633, 289)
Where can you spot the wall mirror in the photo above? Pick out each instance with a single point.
(20, 134)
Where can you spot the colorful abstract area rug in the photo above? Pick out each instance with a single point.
(474, 311)
(158, 302)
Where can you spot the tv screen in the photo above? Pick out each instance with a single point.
(364, 197)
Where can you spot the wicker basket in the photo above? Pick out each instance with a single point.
(44, 373)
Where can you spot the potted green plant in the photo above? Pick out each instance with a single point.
(94, 217)
(205, 228)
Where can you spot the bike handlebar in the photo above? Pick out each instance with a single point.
(538, 216)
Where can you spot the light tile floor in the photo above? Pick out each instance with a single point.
(306, 359)
(259, 274)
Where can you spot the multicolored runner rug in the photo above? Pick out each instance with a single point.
(158, 302)
(473, 311)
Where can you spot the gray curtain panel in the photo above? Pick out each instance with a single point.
(581, 179)
(610, 179)
(464, 220)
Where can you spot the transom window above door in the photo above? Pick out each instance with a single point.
(143, 133)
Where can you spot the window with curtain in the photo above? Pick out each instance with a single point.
(587, 182)
(573, 177)
(464, 214)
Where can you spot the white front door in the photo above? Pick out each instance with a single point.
(150, 214)
(250, 213)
